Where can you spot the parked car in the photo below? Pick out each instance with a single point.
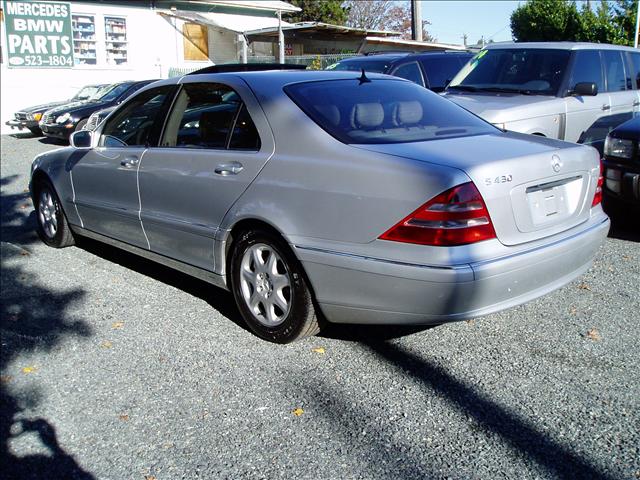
(621, 165)
(29, 117)
(62, 121)
(572, 91)
(96, 118)
(431, 69)
(327, 195)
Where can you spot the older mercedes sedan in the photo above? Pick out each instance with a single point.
(319, 196)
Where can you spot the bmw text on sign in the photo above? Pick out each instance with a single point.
(38, 34)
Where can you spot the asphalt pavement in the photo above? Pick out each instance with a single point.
(116, 368)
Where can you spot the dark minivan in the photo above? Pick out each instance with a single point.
(433, 70)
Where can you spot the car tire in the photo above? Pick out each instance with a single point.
(81, 124)
(271, 289)
(52, 225)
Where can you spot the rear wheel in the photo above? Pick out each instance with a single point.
(53, 228)
(270, 288)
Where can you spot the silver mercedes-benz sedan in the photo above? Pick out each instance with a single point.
(333, 196)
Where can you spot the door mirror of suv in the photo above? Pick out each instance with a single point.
(585, 89)
(81, 139)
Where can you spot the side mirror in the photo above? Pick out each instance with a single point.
(81, 139)
(585, 89)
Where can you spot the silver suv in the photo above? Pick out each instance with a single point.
(576, 92)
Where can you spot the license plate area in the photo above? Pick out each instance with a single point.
(553, 201)
(545, 204)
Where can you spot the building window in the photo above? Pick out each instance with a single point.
(115, 31)
(195, 41)
(84, 39)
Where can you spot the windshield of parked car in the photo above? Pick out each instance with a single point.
(383, 111)
(111, 92)
(369, 65)
(86, 92)
(528, 71)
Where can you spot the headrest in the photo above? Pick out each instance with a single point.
(368, 115)
(330, 112)
(408, 113)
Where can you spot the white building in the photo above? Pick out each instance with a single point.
(51, 49)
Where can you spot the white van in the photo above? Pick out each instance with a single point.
(576, 92)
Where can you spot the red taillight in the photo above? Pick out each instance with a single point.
(597, 198)
(455, 217)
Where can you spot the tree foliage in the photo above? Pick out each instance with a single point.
(387, 15)
(325, 11)
(560, 20)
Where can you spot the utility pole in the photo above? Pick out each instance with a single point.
(280, 39)
(416, 20)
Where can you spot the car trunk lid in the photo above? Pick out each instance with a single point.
(533, 187)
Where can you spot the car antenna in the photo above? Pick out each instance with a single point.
(363, 78)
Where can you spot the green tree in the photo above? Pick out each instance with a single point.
(624, 20)
(546, 20)
(560, 20)
(326, 11)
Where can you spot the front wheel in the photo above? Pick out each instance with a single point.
(270, 289)
(53, 228)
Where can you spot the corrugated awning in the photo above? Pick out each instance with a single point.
(310, 27)
(409, 44)
(227, 21)
(272, 5)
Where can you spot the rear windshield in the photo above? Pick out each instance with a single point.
(383, 111)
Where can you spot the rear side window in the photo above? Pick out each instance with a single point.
(441, 69)
(383, 111)
(138, 122)
(614, 71)
(587, 68)
(210, 115)
(410, 71)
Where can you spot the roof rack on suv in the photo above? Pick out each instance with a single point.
(248, 67)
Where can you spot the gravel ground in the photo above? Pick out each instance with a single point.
(115, 368)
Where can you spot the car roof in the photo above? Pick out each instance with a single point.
(374, 57)
(558, 46)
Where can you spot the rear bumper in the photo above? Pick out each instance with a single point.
(352, 289)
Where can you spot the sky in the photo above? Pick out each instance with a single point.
(451, 19)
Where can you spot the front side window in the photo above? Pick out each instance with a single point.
(383, 111)
(527, 71)
(137, 123)
(614, 68)
(410, 71)
(210, 115)
(587, 68)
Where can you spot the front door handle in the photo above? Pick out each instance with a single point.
(606, 107)
(636, 103)
(129, 162)
(232, 168)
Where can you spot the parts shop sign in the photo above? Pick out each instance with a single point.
(38, 34)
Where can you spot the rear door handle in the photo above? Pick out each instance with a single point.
(232, 168)
(129, 162)
(606, 107)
